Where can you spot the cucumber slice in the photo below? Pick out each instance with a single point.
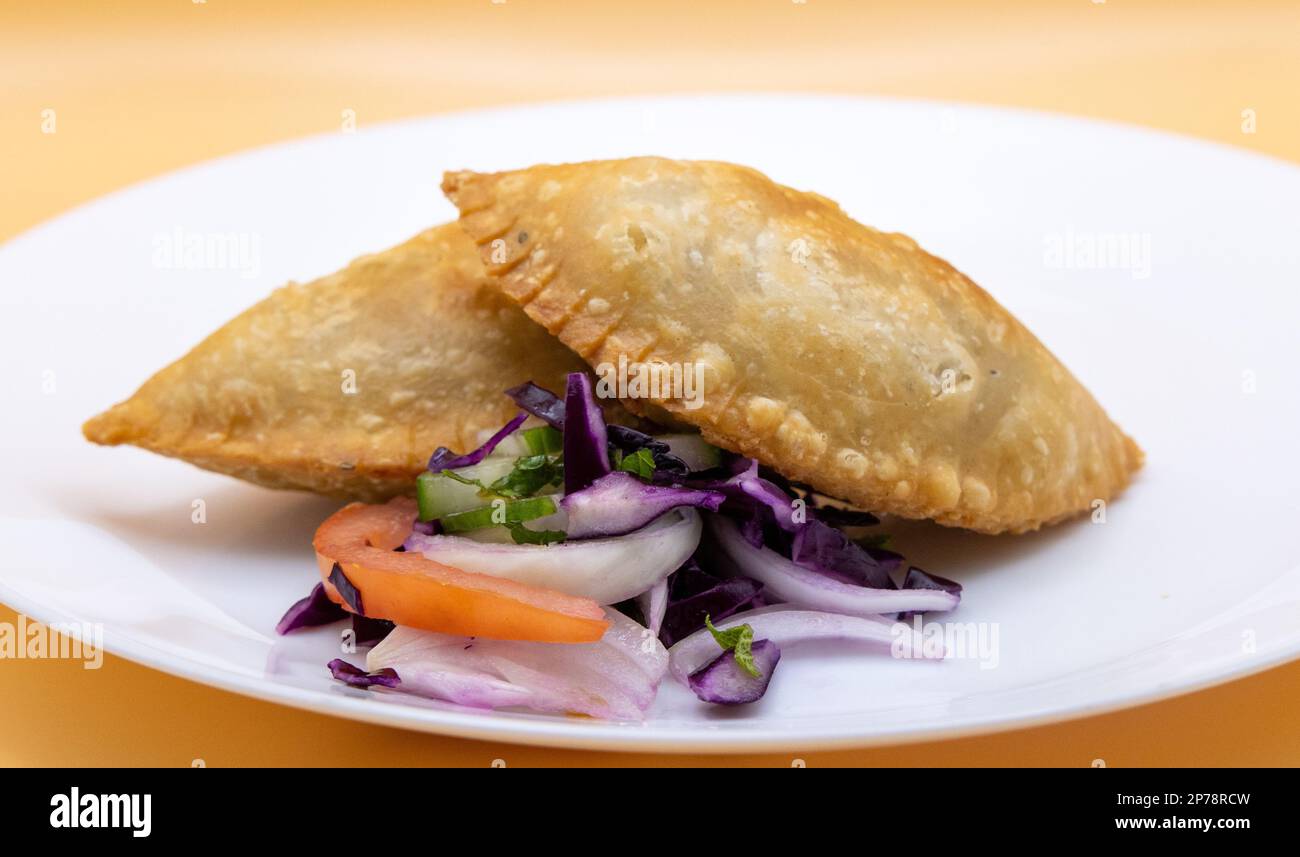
(511, 446)
(537, 440)
(440, 494)
(542, 440)
(502, 512)
(692, 449)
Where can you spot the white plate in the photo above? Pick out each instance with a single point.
(1192, 579)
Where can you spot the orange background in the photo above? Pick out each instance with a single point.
(143, 88)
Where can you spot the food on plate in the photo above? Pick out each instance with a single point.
(567, 564)
(841, 356)
(793, 374)
(355, 551)
(343, 385)
(614, 678)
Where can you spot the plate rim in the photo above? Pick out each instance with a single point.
(563, 733)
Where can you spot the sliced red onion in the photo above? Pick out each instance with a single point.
(444, 459)
(449, 668)
(725, 682)
(614, 678)
(796, 585)
(619, 503)
(787, 625)
(586, 445)
(607, 570)
(315, 609)
(653, 604)
(633, 641)
(356, 677)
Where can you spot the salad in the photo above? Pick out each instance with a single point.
(568, 566)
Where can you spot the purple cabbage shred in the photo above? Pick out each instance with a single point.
(354, 676)
(444, 459)
(350, 594)
(315, 609)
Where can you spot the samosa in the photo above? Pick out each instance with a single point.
(345, 385)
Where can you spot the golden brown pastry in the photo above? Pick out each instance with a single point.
(345, 385)
(841, 356)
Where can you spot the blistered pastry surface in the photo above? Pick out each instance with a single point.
(345, 385)
(842, 356)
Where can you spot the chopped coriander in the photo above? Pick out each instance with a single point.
(738, 640)
(524, 536)
(640, 463)
(531, 474)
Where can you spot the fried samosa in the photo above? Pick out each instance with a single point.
(843, 357)
(345, 385)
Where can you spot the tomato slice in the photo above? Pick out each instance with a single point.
(411, 590)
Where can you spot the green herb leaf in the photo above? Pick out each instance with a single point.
(640, 463)
(530, 475)
(740, 642)
(524, 536)
(729, 638)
